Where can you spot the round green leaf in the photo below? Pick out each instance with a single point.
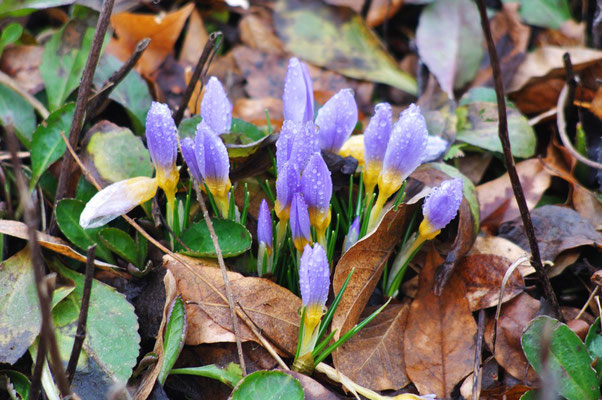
(233, 239)
(268, 385)
(120, 243)
(67, 214)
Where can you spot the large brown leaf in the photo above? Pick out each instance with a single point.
(272, 308)
(374, 357)
(439, 339)
(482, 275)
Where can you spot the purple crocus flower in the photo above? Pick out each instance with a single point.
(405, 150)
(264, 226)
(304, 145)
(440, 207)
(336, 120)
(314, 281)
(316, 185)
(216, 109)
(284, 145)
(189, 154)
(352, 235)
(298, 95)
(435, 148)
(287, 185)
(212, 161)
(299, 221)
(161, 136)
(376, 138)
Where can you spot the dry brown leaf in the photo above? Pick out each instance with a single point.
(23, 64)
(19, 230)
(374, 357)
(253, 111)
(381, 10)
(514, 318)
(571, 33)
(496, 198)
(482, 275)
(148, 381)
(368, 258)
(163, 30)
(272, 308)
(439, 339)
(502, 247)
(194, 40)
(312, 389)
(204, 329)
(474, 165)
(256, 32)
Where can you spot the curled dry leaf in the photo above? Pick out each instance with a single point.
(502, 247)
(163, 30)
(482, 275)
(514, 318)
(496, 198)
(374, 356)
(272, 308)
(439, 339)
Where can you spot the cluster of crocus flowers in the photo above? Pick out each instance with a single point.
(314, 281)
(404, 152)
(439, 209)
(121, 197)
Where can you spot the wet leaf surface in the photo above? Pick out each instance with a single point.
(16, 112)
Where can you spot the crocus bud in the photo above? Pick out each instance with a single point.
(264, 226)
(376, 138)
(216, 109)
(405, 150)
(284, 144)
(353, 234)
(336, 120)
(287, 184)
(189, 154)
(299, 221)
(314, 280)
(213, 164)
(162, 142)
(117, 199)
(298, 95)
(304, 145)
(440, 207)
(316, 185)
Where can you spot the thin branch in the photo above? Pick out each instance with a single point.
(222, 266)
(80, 334)
(44, 296)
(509, 161)
(63, 188)
(111, 83)
(10, 83)
(211, 44)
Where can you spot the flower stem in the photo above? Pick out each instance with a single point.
(400, 265)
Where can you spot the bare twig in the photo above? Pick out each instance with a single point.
(509, 161)
(478, 352)
(210, 46)
(64, 188)
(10, 83)
(111, 83)
(36, 376)
(80, 334)
(222, 266)
(44, 296)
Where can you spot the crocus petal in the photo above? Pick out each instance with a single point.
(161, 135)
(336, 120)
(212, 159)
(264, 225)
(117, 199)
(354, 147)
(442, 203)
(305, 144)
(352, 235)
(377, 133)
(284, 145)
(297, 97)
(314, 276)
(189, 154)
(216, 109)
(316, 185)
(299, 220)
(287, 184)
(405, 150)
(435, 147)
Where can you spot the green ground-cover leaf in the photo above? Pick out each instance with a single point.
(593, 342)
(132, 93)
(174, 338)
(67, 217)
(230, 375)
(24, 7)
(233, 238)
(337, 38)
(48, 145)
(567, 359)
(15, 383)
(120, 243)
(112, 339)
(63, 61)
(16, 112)
(545, 13)
(11, 33)
(268, 385)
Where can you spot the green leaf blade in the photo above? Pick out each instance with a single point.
(268, 385)
(175, 336)
(233, 238)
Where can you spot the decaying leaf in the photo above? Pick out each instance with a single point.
(271, 307)
(502, 247)
(482, 275)
(440, 334)
(374, 356)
